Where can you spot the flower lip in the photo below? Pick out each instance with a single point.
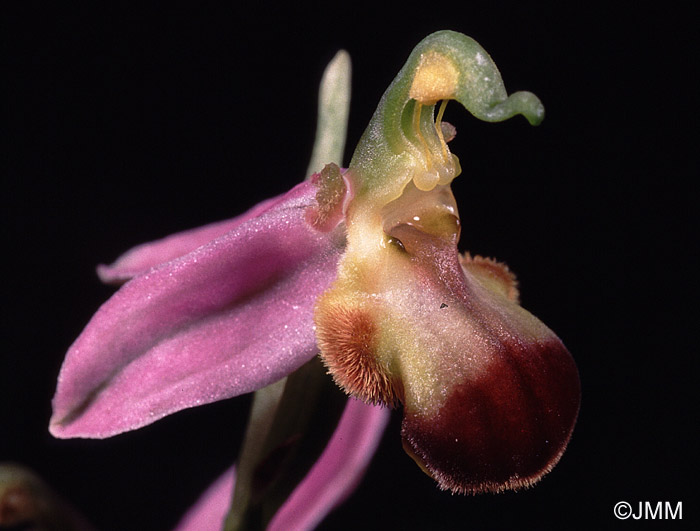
(495, 402)
(490, 394)
(504, 429)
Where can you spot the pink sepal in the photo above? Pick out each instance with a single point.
(228, 318)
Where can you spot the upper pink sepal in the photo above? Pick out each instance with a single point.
(147, 255)
(228, 318)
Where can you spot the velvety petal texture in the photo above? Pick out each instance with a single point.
(494, 406)
(230, 317)
(145, 256)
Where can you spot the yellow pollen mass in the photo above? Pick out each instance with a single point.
(436, 79)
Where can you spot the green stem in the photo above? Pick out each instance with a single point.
(290, 424)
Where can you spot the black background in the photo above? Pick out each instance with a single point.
(124, 124)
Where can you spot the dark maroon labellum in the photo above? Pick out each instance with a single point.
(503, 430)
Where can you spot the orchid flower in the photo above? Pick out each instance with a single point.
(361, 267)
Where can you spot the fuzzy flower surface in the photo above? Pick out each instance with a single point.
(361, 267)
